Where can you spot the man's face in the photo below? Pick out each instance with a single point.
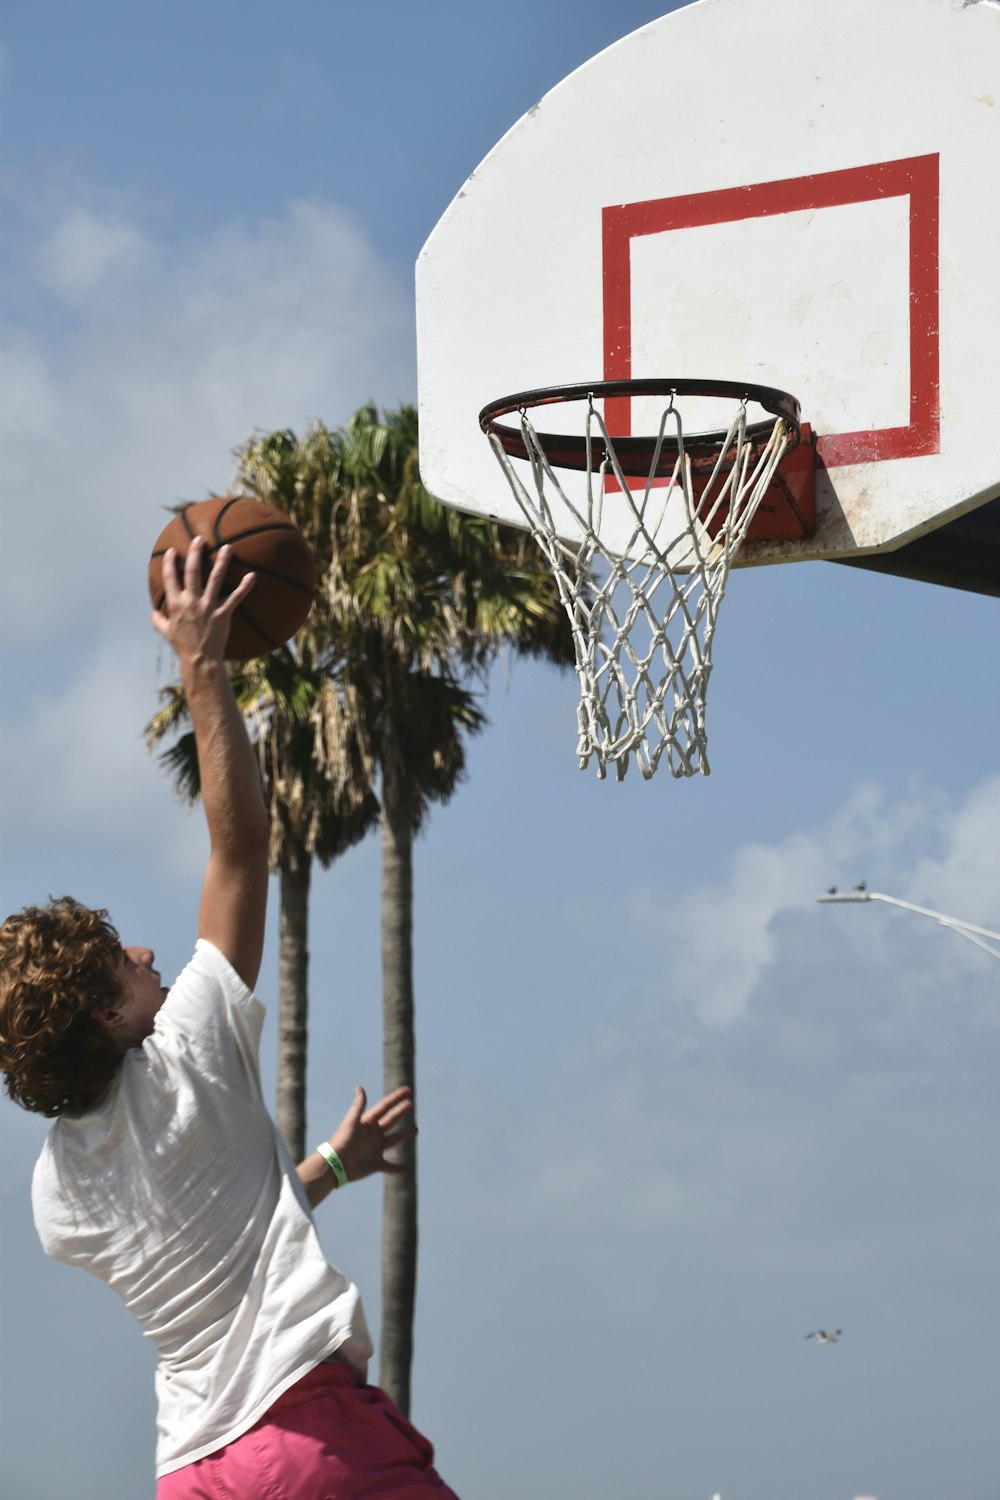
(131, 1018)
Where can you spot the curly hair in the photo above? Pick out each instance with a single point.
(57, 966)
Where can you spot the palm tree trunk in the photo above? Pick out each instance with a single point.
(293, 996)
(399, 1201)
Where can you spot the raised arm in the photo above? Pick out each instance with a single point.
(234, 891)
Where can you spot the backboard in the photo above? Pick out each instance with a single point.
(797, 195)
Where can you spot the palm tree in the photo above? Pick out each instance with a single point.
(414, 601)
(421, 598)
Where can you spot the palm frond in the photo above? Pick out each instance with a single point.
(413, 597)
(181, 763)
(174, 712)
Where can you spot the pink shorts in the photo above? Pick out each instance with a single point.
(324, 1439)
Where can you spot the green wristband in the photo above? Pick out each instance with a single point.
(333, 1161)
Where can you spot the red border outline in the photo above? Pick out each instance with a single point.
(915, 177)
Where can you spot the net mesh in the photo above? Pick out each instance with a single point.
(643, 614)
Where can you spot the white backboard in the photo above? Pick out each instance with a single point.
(797, 193)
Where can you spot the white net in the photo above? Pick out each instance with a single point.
(643, 615)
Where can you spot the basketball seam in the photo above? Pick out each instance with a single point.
(241, 536)
(248, 619)
(218, 520)
(292, 583)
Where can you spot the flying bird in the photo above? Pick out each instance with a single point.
(823, 1336)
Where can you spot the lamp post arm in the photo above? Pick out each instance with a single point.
(964, 929)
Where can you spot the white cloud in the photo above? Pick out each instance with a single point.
(84, 248)
(964, 880)
(169, 357)
(78, 761)
(141, 367)
(28, 399)
(765, 1056)
(718, 939)
(151, 364)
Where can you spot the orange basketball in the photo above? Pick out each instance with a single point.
(264, 541)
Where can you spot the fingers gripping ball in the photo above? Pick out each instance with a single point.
(263, 541)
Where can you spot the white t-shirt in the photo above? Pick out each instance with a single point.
(176, 1189)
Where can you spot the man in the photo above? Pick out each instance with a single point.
(164, 1175)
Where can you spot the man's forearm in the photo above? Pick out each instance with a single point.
(316, 1177)
(231, 789)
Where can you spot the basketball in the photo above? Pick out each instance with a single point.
(264, 541)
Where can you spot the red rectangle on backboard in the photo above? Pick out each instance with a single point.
(914, 178)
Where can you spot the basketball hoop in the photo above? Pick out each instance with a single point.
(660, 523)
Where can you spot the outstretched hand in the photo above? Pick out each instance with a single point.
(364, 1135)
(194, 619)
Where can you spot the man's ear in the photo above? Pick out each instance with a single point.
(108, 1018)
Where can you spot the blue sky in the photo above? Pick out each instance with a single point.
(674, 1114)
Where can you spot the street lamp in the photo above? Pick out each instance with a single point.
(964, 929)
